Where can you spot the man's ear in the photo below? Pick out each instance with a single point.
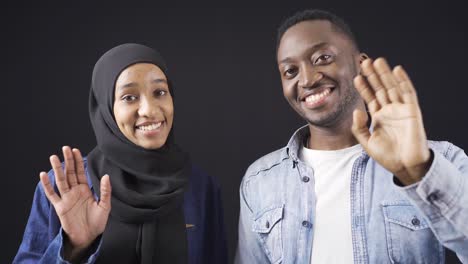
(362, 57)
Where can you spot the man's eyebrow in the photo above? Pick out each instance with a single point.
(313, 48)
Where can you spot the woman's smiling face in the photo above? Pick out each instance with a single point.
(143, 106)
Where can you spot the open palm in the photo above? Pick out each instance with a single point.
(398, 141)
(81, 216)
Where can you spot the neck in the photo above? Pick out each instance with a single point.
(325, 139)
(334, 137)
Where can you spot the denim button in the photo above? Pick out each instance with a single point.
(267, 225)
(305, 179)
(306, 224)
(433, 197)
(415, 221)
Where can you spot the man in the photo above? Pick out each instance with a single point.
(339, 192)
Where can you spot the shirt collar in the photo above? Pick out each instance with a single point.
(297, 140)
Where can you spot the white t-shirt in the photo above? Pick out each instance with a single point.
(332, 226)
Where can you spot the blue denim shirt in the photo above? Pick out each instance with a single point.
(390, 224)
(43, 237)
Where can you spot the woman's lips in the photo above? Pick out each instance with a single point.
(150, 129)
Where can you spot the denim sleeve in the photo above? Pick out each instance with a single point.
(249, 250)
(40, 244)
(442, 196)
(92, 253)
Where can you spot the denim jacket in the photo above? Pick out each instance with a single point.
(390, 224)
(43, 237)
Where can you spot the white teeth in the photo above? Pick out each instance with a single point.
(150, 127)
(313, 98)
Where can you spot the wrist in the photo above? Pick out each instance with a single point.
(415, 173)
(74, 252)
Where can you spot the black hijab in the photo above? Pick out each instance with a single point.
(146, 223)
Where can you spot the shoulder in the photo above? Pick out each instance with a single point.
(201, 186)
(199, 179)
(266, 164)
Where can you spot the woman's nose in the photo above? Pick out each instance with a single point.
(147, 108)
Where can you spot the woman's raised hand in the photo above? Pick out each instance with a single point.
(82, 218)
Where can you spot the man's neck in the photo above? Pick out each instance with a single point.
(331, 138)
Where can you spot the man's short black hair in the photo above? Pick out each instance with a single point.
(315, 14)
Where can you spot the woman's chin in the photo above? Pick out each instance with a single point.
(152, 145)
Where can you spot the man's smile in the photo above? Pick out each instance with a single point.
(317, 97)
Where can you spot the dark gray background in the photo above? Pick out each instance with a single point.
(229, 107)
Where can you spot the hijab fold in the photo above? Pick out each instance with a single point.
(147, 185)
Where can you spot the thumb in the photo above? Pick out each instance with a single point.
(359, 128)
(106, 191)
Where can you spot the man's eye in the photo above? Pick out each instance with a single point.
(323, 59)
(129, 98)
(290, 72)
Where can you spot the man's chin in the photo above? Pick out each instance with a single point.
(322, 121)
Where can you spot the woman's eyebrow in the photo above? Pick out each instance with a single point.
(159, 81)
(134, 84)
(128, 85)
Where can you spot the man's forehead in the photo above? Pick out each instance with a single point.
(309, 29)
(309, 34)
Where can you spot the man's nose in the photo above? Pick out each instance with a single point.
(309, 77)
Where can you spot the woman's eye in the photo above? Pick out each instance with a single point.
(161, 92)
(129, 98)
(323, 59)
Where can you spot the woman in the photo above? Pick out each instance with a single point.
(151, 205)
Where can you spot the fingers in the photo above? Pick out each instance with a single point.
(408, 93)
(60, 178)
(366, 93)
(359, 128)
(382, 84)
(80, 171)
(70, 169)
(106, 191)
(48, 188)
(74, 172)
(375, 82)
(388, 80)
